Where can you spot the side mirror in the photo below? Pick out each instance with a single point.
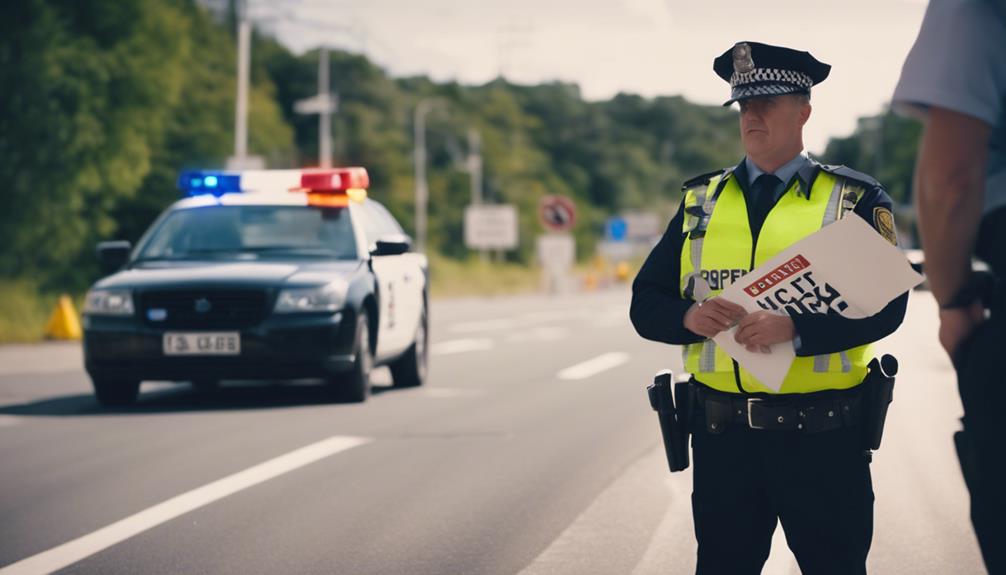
(392, 245)
(113, 255)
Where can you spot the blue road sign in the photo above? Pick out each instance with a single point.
(615, 229)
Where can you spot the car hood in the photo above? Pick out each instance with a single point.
(258, 274)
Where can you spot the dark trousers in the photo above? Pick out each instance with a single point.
(981, 446)
(817, 485)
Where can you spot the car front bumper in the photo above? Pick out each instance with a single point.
(294, 346)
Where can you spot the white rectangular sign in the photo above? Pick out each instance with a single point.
(491, 227)
(557, 252)
(845, 268)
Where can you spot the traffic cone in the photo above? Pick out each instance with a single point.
(622, 272)
(64, 322)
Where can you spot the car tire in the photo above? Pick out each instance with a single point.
(116, 392)
(411, 368)
(354, 387)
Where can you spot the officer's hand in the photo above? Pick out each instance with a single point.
(762, 329)
(712, 316)
(957, 324)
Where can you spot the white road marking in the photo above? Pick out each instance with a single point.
(780, 560)
(83, 547)
(460, 346)
(594, 366)
(539, 334)
(9, 420)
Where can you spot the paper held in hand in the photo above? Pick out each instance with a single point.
(845, 268)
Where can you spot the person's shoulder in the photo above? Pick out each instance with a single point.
(854, 176)
(703, 179)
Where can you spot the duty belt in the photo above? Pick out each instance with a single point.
(810, 413)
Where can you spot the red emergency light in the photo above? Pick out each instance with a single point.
(335, 180)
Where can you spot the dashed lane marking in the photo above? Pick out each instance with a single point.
(460, 346)
(594, 366)
(83, 547)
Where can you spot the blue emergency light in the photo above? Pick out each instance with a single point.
(201, 182)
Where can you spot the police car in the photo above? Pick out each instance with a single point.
(273, 274)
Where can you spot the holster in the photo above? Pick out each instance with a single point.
(878, 393)
(673, 416)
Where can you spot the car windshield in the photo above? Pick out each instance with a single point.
(264, 231)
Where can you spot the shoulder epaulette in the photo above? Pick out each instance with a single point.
(864, 180)
(701, 180)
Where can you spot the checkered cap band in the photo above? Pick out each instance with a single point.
(763, 90)
(771, 75)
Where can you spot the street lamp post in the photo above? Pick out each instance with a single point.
(419, 157)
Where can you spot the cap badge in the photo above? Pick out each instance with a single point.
(743, 63)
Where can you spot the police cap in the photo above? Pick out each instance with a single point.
(754, 69)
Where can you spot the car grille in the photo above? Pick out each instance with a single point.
(204, 309)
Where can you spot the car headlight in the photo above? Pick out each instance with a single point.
(109, 302)
(329, 297)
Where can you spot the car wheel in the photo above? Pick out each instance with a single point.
(355, 385)
(410, 369)
(116, 392)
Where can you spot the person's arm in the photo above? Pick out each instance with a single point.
(820, 334)
(658, 310)
(950, 185)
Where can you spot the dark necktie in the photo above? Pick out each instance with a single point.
(763, 190)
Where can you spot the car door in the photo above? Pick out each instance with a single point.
(389, 274)
(410, 268)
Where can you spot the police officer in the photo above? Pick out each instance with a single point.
(955, 79)
(793, 456)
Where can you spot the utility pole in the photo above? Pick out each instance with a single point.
(474, 162)
(324, 103)
(244, 63)
(325, 115)
(419, 159)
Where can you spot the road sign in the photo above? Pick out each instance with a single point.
(557, 213)
(491, 227)
(556, 251)
(615, 229)
(318, 104)
(246, 163)
(642, 226)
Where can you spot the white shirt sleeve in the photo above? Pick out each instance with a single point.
(958, 62)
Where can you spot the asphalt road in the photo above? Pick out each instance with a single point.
(532, 450)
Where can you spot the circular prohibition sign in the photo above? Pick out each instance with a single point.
(557, 213)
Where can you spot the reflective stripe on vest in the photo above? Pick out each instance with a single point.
(718, 251)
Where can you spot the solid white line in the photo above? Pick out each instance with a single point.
(460, 346)
(83, 547)
(594, 366)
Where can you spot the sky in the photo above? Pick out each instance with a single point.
(646, 47)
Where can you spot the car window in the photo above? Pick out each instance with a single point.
(377, 222)
(298, 231)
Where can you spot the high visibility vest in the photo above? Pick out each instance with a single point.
(719, 249)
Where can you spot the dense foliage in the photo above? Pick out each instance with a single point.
(103, 101)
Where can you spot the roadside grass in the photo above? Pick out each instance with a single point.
(457, 278)
(24, 311)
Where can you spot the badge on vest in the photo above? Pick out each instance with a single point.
(883, 220)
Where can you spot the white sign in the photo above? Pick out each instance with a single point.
(642, 225)
(491, 227)
(845, 268)
(246, 163)
(317, 104)
(557, 252)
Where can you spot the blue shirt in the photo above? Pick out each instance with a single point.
(958, 63)
(784, 173)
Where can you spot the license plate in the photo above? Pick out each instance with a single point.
(203, 343)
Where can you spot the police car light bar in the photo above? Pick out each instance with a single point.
(335, 187)
(200, 182)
